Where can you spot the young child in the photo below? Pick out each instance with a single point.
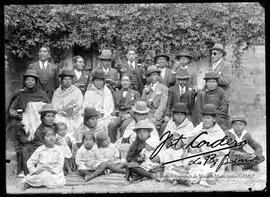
(46, 164)
(213, 94)
(106, 157)
(239, 134)
(204, 171)
(86, 157)
(68, 144)
(143, 130)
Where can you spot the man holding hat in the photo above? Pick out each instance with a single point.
(47, 72)
(183, 62)
(180, 93)
(111, 75)
(213, 94)
(67, 100)
(156, 96)
(239, 134)
(166, 76)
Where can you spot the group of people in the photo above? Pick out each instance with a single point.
(113, 120)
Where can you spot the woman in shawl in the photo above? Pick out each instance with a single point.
(100, 97)
(31, 92)
(67, 100)
(47, 117)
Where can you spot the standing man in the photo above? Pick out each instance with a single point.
(47, 72)
(184, 63)
(166, 76)
(111, 75)
(81, 76)
(132, 67)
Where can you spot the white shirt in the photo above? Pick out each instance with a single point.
(78, 73)
(131, 64)
(182, 90)
(106, 70)
(41, 64)
(125, 94)
(163, 71)
(214, 66)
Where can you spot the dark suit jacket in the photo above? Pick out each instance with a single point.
(138, 76)
(174, 97)
(48, 77)
(121, 103)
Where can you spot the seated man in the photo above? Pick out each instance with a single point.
(123, 100)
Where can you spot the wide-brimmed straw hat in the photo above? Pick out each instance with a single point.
(47, 108)
(140, 107)
(144, 124)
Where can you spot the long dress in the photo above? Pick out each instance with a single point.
(53, 160)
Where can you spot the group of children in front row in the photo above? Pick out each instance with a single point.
(97, 155)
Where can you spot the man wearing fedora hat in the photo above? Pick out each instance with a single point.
(238, 133)
(222, 67)
(183, 62)
(213, 94)
(134, 69)
(111, 75)
(179, 122)
(67, 100)
(124, 99)
(155, 95)
(180, 93)
(47, 72)
(166, 76)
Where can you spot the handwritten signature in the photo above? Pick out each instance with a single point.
(210, 158)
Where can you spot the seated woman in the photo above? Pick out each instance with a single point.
(67, 100)
(100, 97)
(46, 163)
(47, 116)
(89, 125)
(30, 95)
(238, 155)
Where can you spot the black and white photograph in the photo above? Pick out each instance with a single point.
(135, 98)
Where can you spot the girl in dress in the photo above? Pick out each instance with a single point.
(46, 164)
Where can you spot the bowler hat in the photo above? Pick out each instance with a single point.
(183, 54)
(140, 107)
(219, 47)
(182, 74)
(90, 112)
(211, 75)
(47, 108)
(239, 118)
(67, 72)
(144, 124)
(151, 69)
(180, 108)
(31, 73)
(209, 109)
(105, 55)
(161, 55)
(98, 74)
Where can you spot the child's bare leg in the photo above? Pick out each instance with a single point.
(101, 168)
(116, 168)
